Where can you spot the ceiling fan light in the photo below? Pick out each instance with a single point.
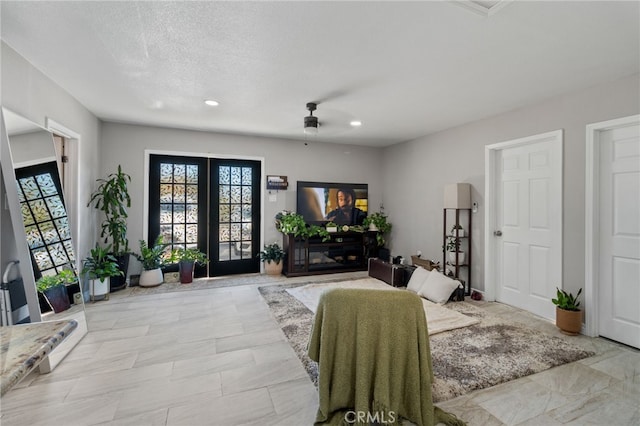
(311, 124)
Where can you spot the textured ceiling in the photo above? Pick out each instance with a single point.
(405, 69)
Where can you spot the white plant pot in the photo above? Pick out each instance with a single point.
(452, 257)
(99, 288)
(373, 227)
(151, 278)
(458, 233)
(332, 229)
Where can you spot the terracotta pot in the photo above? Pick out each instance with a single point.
(273, 268)
(569, 322)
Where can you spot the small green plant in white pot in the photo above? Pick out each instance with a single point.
(378, 222)
(100, 266)
(152, 259)
(457, 231)
(456, 255)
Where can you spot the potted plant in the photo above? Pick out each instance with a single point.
(151, 258)
(568, 313)
(457, 231)
(112, 198)
(187, 259)
(456, 256)
(291, 223)
(70, 280)
(272, 256)
(331, 227)
(54, 291)
(377, 222)
(100, 266)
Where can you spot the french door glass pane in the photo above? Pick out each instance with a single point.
(46, 222)
(178, 214)
(234, 204)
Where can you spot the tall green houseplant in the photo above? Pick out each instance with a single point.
(112, 199)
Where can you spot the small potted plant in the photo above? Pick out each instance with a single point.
(54, 291)
(100, 266)
(331, 227)
(457, 231)
(152, 259)
(291, 223)
(272, 256)
(377, 222)
(456, 256)
(568, 313)
(187, 259)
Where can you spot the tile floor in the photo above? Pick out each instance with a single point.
(217, 357)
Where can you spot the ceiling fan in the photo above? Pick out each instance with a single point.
(310, 121)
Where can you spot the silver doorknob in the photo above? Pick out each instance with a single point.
(497, 233)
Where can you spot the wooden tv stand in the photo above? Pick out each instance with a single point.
(344, 252)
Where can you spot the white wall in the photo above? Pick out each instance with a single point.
(29, 93)
(423, 166)
(125, 145)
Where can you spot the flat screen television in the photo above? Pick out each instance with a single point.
(341, 203)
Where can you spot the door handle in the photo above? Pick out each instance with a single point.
(497, 233)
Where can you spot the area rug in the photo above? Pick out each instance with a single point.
(475, 357)
(440, 319)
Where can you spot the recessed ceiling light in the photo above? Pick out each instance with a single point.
(211, 102)
(356, 123)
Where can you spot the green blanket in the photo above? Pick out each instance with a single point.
(372, 349)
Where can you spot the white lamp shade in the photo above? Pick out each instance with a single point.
(457, 196)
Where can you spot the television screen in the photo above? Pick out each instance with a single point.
(340, 203)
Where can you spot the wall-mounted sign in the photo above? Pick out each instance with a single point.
(277, 182)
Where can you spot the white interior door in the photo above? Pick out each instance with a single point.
(528, 222)
(619, 235)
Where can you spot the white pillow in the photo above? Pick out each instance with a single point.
(438, 287)
(418, 278)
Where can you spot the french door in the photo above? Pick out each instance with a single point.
(234, 234)
(211, 204)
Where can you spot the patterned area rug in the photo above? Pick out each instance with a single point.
(466, 359)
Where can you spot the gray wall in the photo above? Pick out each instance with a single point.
(125, 145)
(423, 167)
(29, 93)
(31, 148)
